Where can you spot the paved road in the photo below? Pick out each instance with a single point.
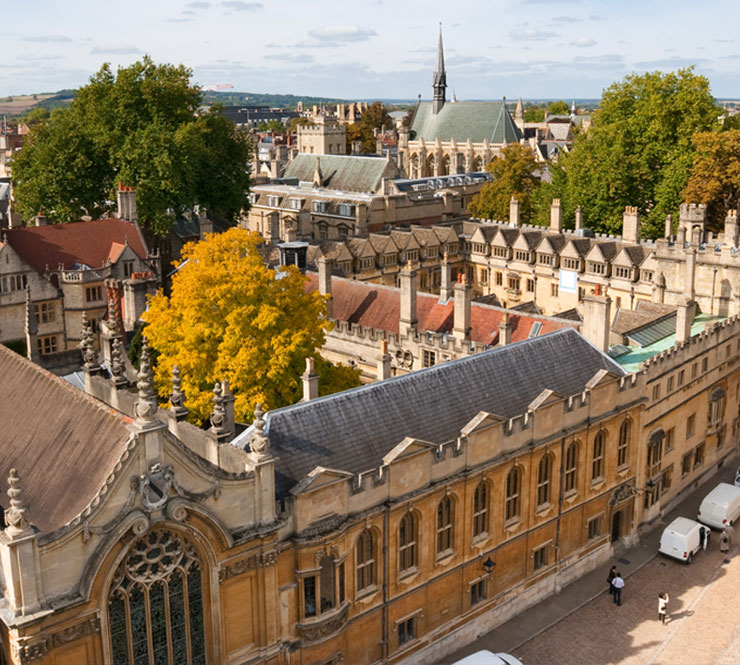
(704, 623)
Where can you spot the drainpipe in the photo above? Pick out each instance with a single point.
(560, 510)
(384, 622)
(714, 279)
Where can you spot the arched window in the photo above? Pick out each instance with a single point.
(155, 605)
(543, 480)
(513, 486)
(480, 509)
(365, 560)
(407, 542)
(571, 466)
(597, 465)
(444, 525)
(624, 442)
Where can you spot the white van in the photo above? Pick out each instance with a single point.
(681, 539)
(488, 658)
(721, 506)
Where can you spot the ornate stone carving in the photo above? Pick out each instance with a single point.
(87, 346)
(116, 363)
(404, 359)
(218, 415)
(259, 444)
(250, 563)
(155, 486)
(315, 631)
(177, 398)
(27, 653)
(112, 320)
(146, 403)
(16, 517)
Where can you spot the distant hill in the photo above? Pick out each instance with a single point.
(263, 99)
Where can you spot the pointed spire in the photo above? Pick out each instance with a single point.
(90, 364)
(177, 398)
(519, 110)
(145, 406)
(259, 443)
(16, 517)
(440, 78)
(454, 96)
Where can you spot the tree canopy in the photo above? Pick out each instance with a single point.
(715, 174)
(558, 108)
(139, 127)
(638, 150)
(514, 174)
(231, 317)
(534, 114)
(375, 117)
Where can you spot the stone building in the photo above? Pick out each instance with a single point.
(453, 137)
(66, 271)
(323, 136)
(332, 197)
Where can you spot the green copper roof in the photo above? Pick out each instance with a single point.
(476, 121)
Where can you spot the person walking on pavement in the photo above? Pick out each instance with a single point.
(610, 579)
(724, 543)
(662, 602)
(730, 531)
(617, 585)
(704, 537)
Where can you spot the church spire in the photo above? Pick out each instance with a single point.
(440, 77)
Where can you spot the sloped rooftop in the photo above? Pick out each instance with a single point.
(342, 172)
(63, 442)
(353, 430)
(461, 121)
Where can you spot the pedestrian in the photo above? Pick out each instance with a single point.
(610, 578)
(730, 531)
(724, 543)
(617, 585)
(662, 602)
(703, 537)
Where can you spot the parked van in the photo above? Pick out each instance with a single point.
(681, 539)
(721, 506)
(485, 657)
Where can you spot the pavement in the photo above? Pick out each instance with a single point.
(521, 629)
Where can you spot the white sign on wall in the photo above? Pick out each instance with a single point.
(568, 281)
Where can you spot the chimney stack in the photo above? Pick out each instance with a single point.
(310, 381)
(689, 274)
(407, 322)
(668, 234)
(579, 218)
(445, 286)
(325, 270)
(127, 203)
(384, 362)
(684, 318)
(556, 216)
(731, 229)
(631, 224)
(504, 330)
(596, 319)
(463, 298)
(514, 206)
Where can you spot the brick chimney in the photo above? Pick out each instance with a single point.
(384, 362)
(684, 318)
(579, 218)
(445, 285)
(407, 321)
(325, 269)
(504, 330)
(463, 299)
(596, 319)
(127, 203)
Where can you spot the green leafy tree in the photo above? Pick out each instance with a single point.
(230, 317)
(638, 151)
(514, 174)
(294, 122)
(137, 126)
(375, 117)
(558, 108)
(35, 115)
(715, 174)
(534, 114)
(271, 126)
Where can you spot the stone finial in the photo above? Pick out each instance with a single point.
(112, 317)
(88, 346)
(116, 363)
(146, 401)
(218, 414)
(177, 398)
(31, 323)
(16, 517)
(259, 444)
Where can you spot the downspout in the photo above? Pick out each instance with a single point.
(384, 618)
(714, 279)
(560, 506)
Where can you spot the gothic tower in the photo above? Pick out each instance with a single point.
(440, 78)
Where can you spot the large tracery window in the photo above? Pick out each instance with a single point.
(155, 606)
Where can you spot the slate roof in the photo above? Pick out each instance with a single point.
(353, 430)
(63, 442)
(644, 314)
(342, 172)
(87, 243)
(379, 307)
(461, 121)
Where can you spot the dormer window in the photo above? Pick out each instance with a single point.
(622, 273)
(412, 255)
(544, 259)
(597, 268)
(646, 276)
(296, 204)
(346, 209)
(273, 201)
(501, 252)
(320, 206)
(479, 248)
(572, 264)
(522, 255)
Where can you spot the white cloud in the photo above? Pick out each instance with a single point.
(583, 42)
(47, 38)
(342, 33)
(530, 34)
(116, 50)
(240, 6)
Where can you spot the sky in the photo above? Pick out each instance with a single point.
(366, 49)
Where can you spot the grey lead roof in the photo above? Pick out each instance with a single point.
(461, 121)
(354, 429)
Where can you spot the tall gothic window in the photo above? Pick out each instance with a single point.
(543, 480)
(513, 486)
(365, 560)
(407, 542)
(444, 525)
(624, 442)
(571, 464)
(155, 606)
(480, 509)
(597, 465)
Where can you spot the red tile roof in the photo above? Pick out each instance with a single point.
(379, 307)
(91, 243)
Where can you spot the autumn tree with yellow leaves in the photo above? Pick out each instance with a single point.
(231, 317)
